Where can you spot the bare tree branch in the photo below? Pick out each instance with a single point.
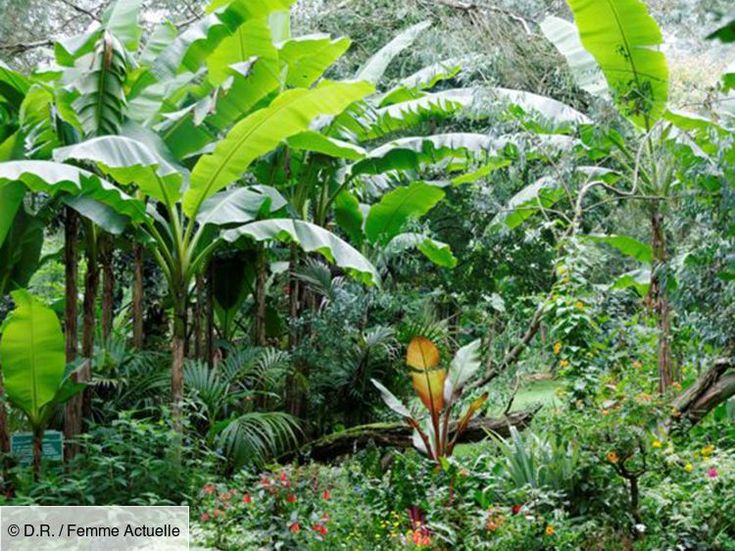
(79, 9)
(25, 46)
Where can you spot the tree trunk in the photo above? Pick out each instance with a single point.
(398, 435)
(294, 385)
(108, 285)
(138, 290)
(209, 313)
(261, 277)
(200, 341)
(37, 453)
(660, 301)
(72, 417)
(88, 327)
(177, 357)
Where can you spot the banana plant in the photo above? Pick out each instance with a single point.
(34, 366)
(440, 390)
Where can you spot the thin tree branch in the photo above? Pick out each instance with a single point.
(79, 9)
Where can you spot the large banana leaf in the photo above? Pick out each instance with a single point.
(32, 355)
(437, 252)
(543, 193)
(160, 39)
(551, 109)
(239, 206)
(11, 197)
(625, 40)
(252, 39)
(53, 178)
(307, 57)
(464, 365)
(375, 67)
(21, 252)
(101, 102)
(725, 31)
(332, 147)
(412, 153)
(424, 79)
(388, 217)
(310, 238)
(128, 161)
(627, 245)
(13, 85)
(565, 38)
(121, 20)
(290, 114)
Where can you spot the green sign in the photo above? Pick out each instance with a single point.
(21, 444)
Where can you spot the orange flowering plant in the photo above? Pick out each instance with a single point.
(440, 390)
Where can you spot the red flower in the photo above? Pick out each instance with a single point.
(320, 528)
(295, 528)
(204, 517)
(265, 482)
(208, 489)
(712, 472)
(284, 480)
(247, 499)
(326, 495)
(516, 509)
(291, 498)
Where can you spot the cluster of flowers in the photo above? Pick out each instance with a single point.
(496, 519)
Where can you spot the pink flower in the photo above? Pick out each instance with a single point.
(209, 489)
(712, 472)
(247, 499)
(204, 517)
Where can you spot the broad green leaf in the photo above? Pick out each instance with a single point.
(13, 85)
(464, 365)
(311, 238)
(625, 40)
(435, 251)
(543, 193)
(53, 178)
(239, 206)
(629, 246)
(100, 214)
(427, 78)
(32, 355)
(160, 39)
(101, 102)
(348, 216)
(391, 401)
(375, 67)
(11, 198)
(388, 217)
(234, 277)
(565, 37)
(68, 50)
(290, 114)
(725, 31)
(307, 57)
(21, 252)
(551, 109)
(413, 153)
(252, 39)
(250, 9)
(640, 280)
(121, 19)
(128, 162)
(482, 172)
(319, 143)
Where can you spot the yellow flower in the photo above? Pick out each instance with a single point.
(675, 412)
(579, 305)
(677, 386)
(549, 530)
(564, 363)
(688, 467)
(612, 457)
(637, 364)
(605, 412)
(656, 444)
(557, 347)
(707, 450)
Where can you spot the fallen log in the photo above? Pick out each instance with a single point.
(714, 387)
(398, 435)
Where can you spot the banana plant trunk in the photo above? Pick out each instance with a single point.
(294, 385)
(108, 285)
(72, 423)
(200, 322)
(37, 452)
(138, 293)
(660, 302)
(177, 357)
(89, 323)
(261, 276)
